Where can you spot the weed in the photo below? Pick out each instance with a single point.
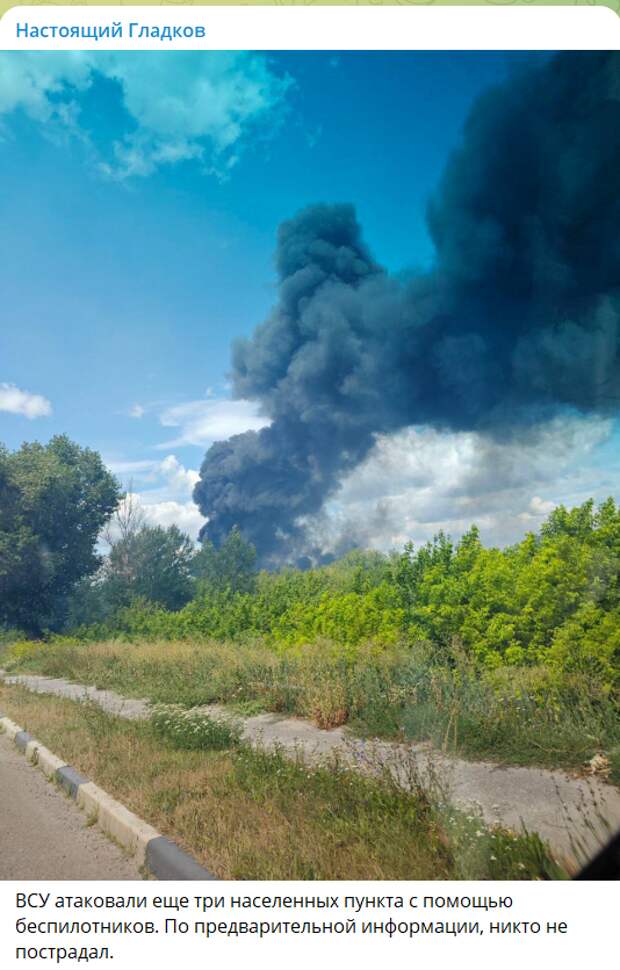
(511, 715)
(193, 730)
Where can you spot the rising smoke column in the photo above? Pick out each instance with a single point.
(519, 319)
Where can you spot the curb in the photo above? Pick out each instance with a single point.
(161, 857)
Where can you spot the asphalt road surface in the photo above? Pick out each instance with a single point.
(43, 835)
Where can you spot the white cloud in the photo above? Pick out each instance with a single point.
(419, 481)
(137, 411)
(179, 478)
(179, 107)
(538, 508)
(33, 83)
(205, 421)
(167, 478)
(184, 515)
(124, 468)
(16, 401)
(163, 491)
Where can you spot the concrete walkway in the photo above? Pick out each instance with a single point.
(43, 835)
(575, 815)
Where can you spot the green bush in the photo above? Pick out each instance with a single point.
(552, 599)
(589, 642)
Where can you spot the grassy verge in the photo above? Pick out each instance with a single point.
(510, 715)
(248, 814)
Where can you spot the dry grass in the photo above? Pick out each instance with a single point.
(242, 814)
(250, 814)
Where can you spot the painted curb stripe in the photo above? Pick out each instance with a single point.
(70, 779)
(166, 861)
(163, 858)
(22, 739)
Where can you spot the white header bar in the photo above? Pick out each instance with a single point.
(309, 28)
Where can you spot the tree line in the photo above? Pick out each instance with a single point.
(59, 507)
(553, 598)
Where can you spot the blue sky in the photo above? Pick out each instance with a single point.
(140, 199)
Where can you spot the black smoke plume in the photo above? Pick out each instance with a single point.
(519, 319)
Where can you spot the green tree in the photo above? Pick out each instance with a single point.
(54, 501)
(152, 564)
(578, 523)
(88, 603)
(231, 568)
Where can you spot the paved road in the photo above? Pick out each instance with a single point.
(43, 835)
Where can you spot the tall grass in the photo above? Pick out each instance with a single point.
(518, 715)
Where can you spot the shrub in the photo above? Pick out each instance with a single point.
(589, 642)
